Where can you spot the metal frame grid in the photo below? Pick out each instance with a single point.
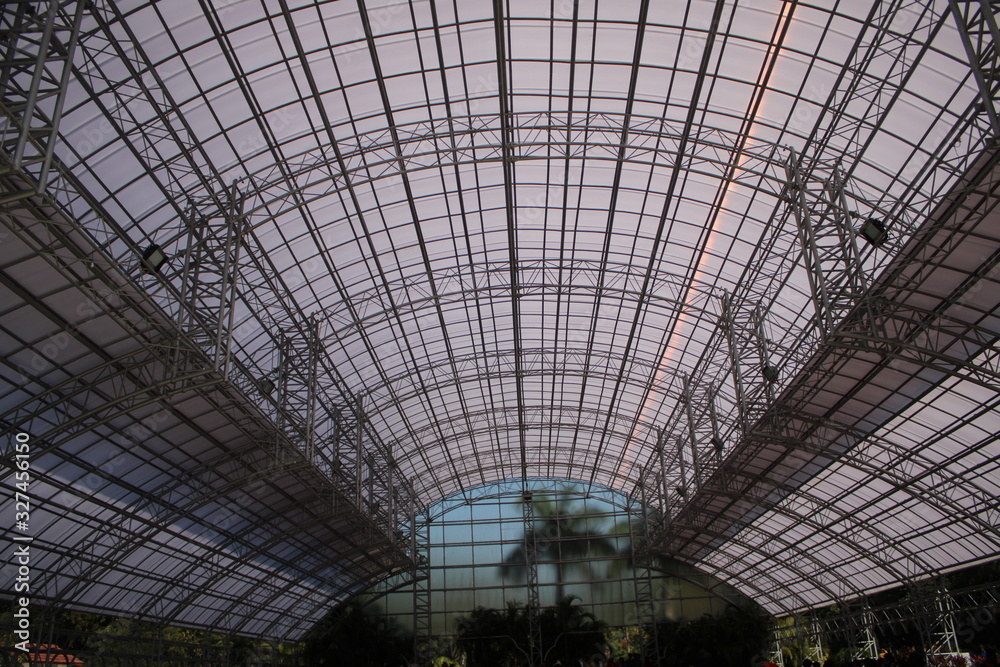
(478, 537)
(417, 247)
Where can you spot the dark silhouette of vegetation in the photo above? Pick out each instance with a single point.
(112, 641)
(500, 637)
(733, 638)
(349, 636)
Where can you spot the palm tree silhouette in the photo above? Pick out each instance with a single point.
(566, 538)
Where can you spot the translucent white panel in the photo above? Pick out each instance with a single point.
(525, 266)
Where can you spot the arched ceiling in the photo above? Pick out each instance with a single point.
(505, 240)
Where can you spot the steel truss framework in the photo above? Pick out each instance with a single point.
(421, 270)
(938, 615)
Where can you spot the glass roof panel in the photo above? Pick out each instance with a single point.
(584, 265)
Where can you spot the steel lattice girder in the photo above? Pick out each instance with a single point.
(717, 392)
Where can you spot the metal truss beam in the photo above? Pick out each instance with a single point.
(153, 374)
(841, 528)
(801, 634)
(861, 636)
(777, 656)
(531, 568)
(208, 285)
(977, 27)
(372, 155)
(163, 140)
(488, 280)
(37, 51)
(912, 338)
(918, 610)
(939, 622)
(913, 473)
(837, 276)
(645, 593)
(946, 337)
(209, 276)
(814, 640)
(894, 36)
(178, 163)
(737, 370)
(191, 497)
(795, 559)
(420, 538)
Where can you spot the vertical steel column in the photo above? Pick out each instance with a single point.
(391, 498)
(753, 374)
(209, 275)
(158, 644)
(190, 267)
(420, 551)
(836, 193)
(941, 638)
(37, 61)
(692, 430)
(857, 278)
(297, 379)
(796, 196)
(814, 640)
(717, 443)
(230, 272)
(828, 242)
(372, 505)
(769, 372)
(861, 636)
(642, 573)
(286, 354)
(359, 449)
(727, 321)
(977, 27)
(312, 382)
(777, 655)
(682, 490)
(661, 444)
(531, 567)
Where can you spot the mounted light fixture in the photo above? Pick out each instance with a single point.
(874, 231)
(770, 373)
(717, 443)
(153, 259)
(267, 386)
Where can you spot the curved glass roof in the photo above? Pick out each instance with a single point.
(418, 247)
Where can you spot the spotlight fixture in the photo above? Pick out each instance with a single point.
(717, 443)
(770, 373)
(267, 386)
(681, 492)
(874, 231)
(153, 259)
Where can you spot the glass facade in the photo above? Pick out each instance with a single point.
(411, 249)
(583, 548)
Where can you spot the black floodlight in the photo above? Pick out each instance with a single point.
(717, 443)
(267, 386)
(770, 373)
(873, 230)
(153, 259)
